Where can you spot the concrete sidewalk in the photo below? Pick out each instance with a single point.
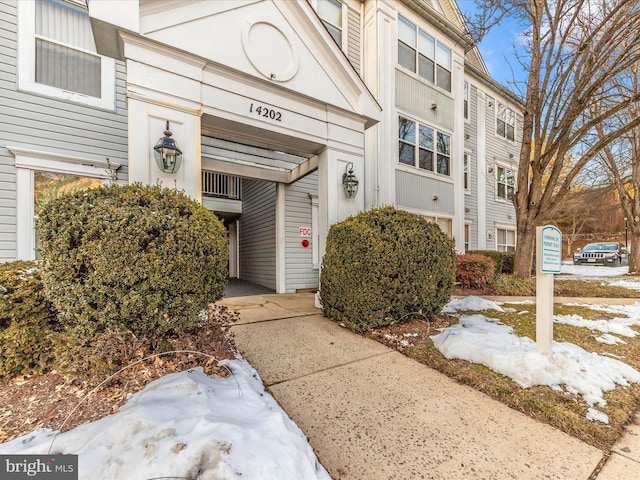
(371, 413)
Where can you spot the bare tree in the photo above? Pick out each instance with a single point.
(622, 160)
(572, 49)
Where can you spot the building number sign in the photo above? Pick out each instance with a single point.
(266, 112)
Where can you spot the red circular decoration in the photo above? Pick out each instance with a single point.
(305, 243)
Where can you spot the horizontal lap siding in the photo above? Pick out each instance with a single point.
(300, 273)
(257, 233)
(48, 124)
(353, 38)
(417, 191)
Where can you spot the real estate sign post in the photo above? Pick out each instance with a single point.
(548, 263)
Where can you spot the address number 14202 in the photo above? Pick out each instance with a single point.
(266, 112)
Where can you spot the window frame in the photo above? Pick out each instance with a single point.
(27, 162)
(466, 168)
(433, 149)
(27, 64)
(506, 197)
(466, 101)
(510, 115)
(506, 245)
(437, 49)
(344, 20)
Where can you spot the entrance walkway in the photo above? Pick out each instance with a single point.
(371, 413)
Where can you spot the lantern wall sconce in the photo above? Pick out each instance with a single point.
(349, 182)
(167, 153)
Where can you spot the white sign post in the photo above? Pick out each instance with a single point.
(548, 262)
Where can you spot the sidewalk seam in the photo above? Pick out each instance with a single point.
(331, 368)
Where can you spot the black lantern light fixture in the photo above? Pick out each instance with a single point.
(349, 182)
(167, 153)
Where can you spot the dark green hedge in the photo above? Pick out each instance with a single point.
(28, 322)
(131, 258)
(503, 260)
(384, 264)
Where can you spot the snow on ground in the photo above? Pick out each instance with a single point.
(188, 425)
(614, 276)
(479, 339)
(473, 303)
(486, 341)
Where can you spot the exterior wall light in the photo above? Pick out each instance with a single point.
(349, 182)
(167, 153)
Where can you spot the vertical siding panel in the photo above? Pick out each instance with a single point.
(300, 273)
(257, 233)
(471, 198)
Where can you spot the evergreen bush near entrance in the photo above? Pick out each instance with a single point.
(382, 265)
(28, 324)
(135, 259)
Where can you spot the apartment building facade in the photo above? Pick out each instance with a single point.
(274, 105)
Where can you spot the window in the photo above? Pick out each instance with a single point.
(466, 171)
(58, 55)
(42, 177)
(466, 100)
(422, 54)
(423, 147)
(506, 240)
(445, 224)
(47, 186)
(330, 12)
(506, 183)
(505, 122)
(466, 237)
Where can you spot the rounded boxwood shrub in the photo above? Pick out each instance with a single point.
(143, 259)
(28, 324)
(384, 264)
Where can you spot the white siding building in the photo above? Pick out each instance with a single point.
(271, 102)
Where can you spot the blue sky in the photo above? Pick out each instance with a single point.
(497, 47)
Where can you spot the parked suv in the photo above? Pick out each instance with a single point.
(611, 254)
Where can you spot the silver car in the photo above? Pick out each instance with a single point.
(611, 254)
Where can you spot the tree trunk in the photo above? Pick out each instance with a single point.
(634, 254)
(523, 260)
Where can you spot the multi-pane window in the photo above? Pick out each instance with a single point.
(65, 49)
(445, 224)
(466, 100)
(467, 234)
(466, 171)
(506, 241)
(330, 12)
(423, 147)
(505, 122)
(422, 54)
(58, 55)
(506, 183)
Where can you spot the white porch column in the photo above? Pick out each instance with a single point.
(333, 205)
(147, 123)
(481, 174)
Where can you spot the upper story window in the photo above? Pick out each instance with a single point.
(505, 122)
(422, 54)
(506, 183)
(423, 147)
(466, 100)
(58, 55)
(466, 172)
(330, 12)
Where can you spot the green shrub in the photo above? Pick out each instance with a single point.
(474, 270)
(384, 264)
(28, 324)
(507, 263)
(503, 260)
(143, 260)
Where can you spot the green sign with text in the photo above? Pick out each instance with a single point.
(550, 250)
